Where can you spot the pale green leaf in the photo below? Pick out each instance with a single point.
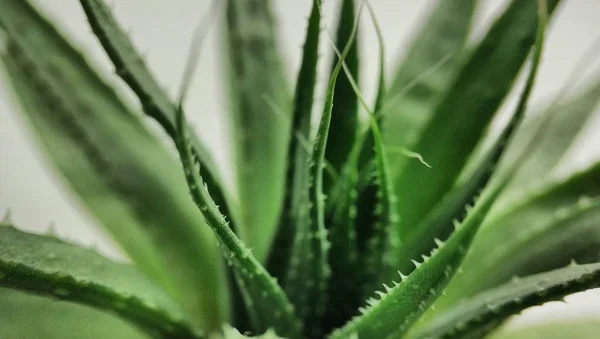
(480, 315)
(255, 77)
(48, 266)
(121, 172)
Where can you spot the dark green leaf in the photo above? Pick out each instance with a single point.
(344, 114)
(465, 111)
(155, 101)
(436, 224)
(267, 304)
(298, 155)
(400, 306)
(427, 71)
(309, 270)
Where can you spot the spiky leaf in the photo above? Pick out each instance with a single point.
(309, 271)
(267, 304)
(401, 305)
(509, 229)
(298, 154)
(130, 66)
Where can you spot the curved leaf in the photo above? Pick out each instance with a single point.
(267, 304)
(466, 110)
(121, 172)
(155, 101)
(51, 267)
(483, 313)
(58, 320)
(435, 225)
(427, 71)
(255, 71)
(568, 119)
(400, 306)
(505, 233)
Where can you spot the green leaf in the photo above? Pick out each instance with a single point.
(298, 156)
(427, 71)
(506, 232)
(309, 270)
(568, 119)
(480, 315)
(260, 137)
(401, 305)
(465, 111)
(435, 225)
(349, 274)
(573, 233)
(57, 320)
(267, 304)
(155, 101)
(559, 329)
(121, 172)
(344, 114)
(48, 266)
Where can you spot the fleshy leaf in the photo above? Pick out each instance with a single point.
(155, 101)
(480, 315)
(465, 111)
(344, 114)
(48, 266)
(436, 224)
(121, 172)
(396, 310)
(267, 304)
(298, 156)
(309, 270)
(58, 320)
(568, 119)
(537, 211)
(350, 275)
(401, 305)
(260, 137)
(559, 329)
(427, 71)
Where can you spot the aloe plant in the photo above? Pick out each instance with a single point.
(384, 228)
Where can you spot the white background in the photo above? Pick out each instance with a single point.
(163, 29)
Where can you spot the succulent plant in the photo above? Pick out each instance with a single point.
(413, 222)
